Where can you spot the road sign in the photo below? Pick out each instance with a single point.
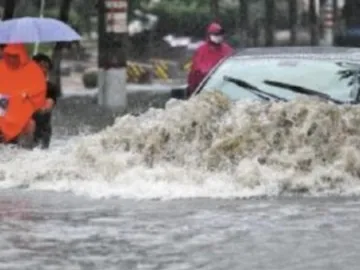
(116, 16)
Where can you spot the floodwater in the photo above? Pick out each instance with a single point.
(201, 184)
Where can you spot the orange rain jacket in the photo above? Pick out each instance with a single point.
(22, 91)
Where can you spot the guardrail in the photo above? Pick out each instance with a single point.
(187, 66)
(138, 72)
(143, 73)
(156, 69)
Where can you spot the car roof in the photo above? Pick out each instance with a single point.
(349, 54)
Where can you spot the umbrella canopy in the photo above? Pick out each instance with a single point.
(31, 30)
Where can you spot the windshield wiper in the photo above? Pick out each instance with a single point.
(253, 89)
(302, 90)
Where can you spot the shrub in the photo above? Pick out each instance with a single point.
(90, 79)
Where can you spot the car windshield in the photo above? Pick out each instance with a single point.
(334, 79)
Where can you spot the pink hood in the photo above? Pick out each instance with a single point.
(206, 57)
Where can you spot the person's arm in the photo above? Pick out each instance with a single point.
(49, 105)
(195, 75)
(51, 97)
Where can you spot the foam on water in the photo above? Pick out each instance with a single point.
(204, 147)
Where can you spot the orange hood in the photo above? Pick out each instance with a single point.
(19, 50)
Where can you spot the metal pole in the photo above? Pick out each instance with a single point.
(113, 37)
(42, 7)
(328, 23)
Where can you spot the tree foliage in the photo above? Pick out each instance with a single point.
(188, 17)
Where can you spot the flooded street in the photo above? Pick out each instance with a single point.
(163, 190)
(42, 230)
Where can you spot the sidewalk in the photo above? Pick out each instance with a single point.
(72, 86)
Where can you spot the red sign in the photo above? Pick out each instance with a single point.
(116, 16)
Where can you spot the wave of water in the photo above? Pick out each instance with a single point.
(204, 147)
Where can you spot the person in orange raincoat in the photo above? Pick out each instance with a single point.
(22, 92)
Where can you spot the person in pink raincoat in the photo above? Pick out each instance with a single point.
(208, 55)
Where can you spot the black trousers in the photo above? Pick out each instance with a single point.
(43, 135)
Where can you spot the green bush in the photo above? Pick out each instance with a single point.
(179, 20)
(90, 79)
(190, 18)
(185, 20)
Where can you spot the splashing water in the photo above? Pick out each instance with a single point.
(204, 147)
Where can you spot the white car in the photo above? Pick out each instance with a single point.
(282, 73)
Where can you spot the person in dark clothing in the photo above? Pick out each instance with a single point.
(43, 131)
(1, 50)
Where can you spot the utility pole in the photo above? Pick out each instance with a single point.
(113, 37)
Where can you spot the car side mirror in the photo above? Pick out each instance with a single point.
(179, 92)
